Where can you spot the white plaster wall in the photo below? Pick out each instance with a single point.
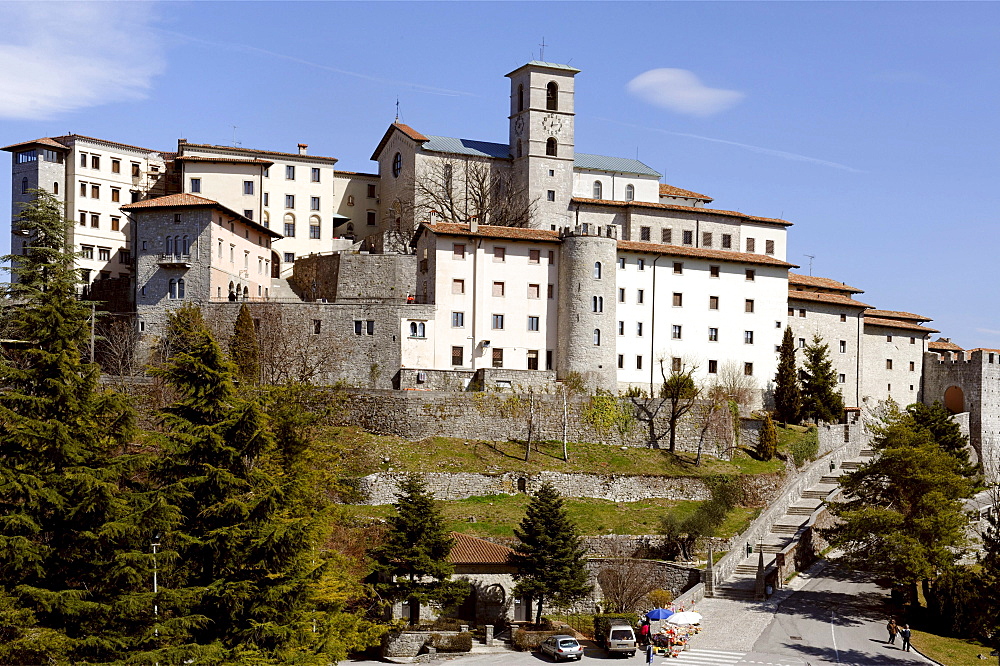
(824, 319)
(647, 188)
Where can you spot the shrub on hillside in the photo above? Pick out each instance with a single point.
(805, 448)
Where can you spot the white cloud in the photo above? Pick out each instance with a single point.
(680, 90)
(57, 57)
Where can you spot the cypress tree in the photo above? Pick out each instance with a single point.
(767, 445)
(787, 396)
(821, 399)
(243, 567)
(243, 347)
(549, 557)
(74, 532)
(412, 564)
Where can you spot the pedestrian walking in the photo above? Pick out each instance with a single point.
(904, 633)
(644, 634)
(893, 629)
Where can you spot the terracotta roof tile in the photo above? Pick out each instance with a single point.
(685, 209)
(45, 141)
(819, 297)
(194, 201)
(895, 314)
(411, 133)
(702, 253)
(895, 323)
(821, 282)
(338, 172)
(473, 550)
(489, 231)
(105, 142)
(253, 152)
(941, 344)
(224, 160)
(981, 349)
(671, 191)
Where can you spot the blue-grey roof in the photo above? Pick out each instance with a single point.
(550, 65)
(615, 164)
(447, 144)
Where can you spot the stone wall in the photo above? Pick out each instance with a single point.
(346, 277)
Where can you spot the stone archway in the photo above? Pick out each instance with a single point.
(954, 399)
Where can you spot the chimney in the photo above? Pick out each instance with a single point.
(474, 224)
(302, 148)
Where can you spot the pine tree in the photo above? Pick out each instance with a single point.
(821, 401)
(549, 557)
(936, 420)
(74, 533)
(242, 566)
(243, 347)
(412, 563)
(989, 563)
(787, 395)
(767, 444)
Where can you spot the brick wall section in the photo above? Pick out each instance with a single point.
(352, 277)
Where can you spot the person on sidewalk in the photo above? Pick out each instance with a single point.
(904, 633)
(893, 629)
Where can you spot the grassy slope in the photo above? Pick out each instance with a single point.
(951, 651)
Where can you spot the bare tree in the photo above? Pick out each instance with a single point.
(678, 394)
(117, 347)
(738, 391)
(458, 190)
(289, 351)
(625, 581)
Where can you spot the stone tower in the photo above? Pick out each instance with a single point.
(587, 305)
(542, 138)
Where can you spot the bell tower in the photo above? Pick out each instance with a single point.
(542, 138)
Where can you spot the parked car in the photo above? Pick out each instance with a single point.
(620, 639)
(561, 647)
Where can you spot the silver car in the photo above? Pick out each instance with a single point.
(561, 647)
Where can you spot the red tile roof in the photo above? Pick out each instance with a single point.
(895, 323)
(819, 297)
(473, 550)
(489, 231)
(253, 152)
(685, 209)
(895, 314)
(821, 282)
(105, 142)
(981, 349)
(702, 253)
(194, 201)
(44, 141)
(942, 344)
(338, 172)
(408, 131)
(224, 160)
(671, 191)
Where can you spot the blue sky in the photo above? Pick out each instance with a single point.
(871, 126)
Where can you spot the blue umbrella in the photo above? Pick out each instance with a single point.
(659, 614)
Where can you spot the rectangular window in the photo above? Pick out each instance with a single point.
(748, 337)
(534, 256)
(888, 364)
(27, 156)
(136, 170)
(913, 366)
(549, 362)
(534, 291)
(83, 219)
(499, 254)
(621, 361)
(498, 289)
(267, 198)
(497, 322)
(458, 286)
(95, 162)
(289, 173)
(358, 327)
(713, 271)
(640, 264)
(751, 245)
(289, 229)
(751, 275)
(95, 191)
(533, 324)
(371, 191)
(116, 166)
(532, 359)
(87, 251)
(621, 294)
(116, 223)
(621, 328)
(713, 367)
(317, 326)
(458, 251)
(913, 341)
(370, 218)
(713, 302)
(458, 319)
(552, 257)
(843, 317)
(791, 312)
(678, 267)
(666, 235)
(314, 230)
(314, 175)
(769, 247)
(802, 313)
(727, 241)
(289, 257)
(841, 379)
(313, 203)
(888, 338)
(748, 369)
(678, 299)
(116, 194)
(248, 213)
(83, 189)
(95, 220)
(550, 195)
(802, 343)
(638, 363)
(550, 291)
(644, 233)
(748, 305)
(124, 256)
(676, 365)
(640, 295)
(497, 357)
(675, 332)
(706, 239)
(247, 187)
(369, 327)
(289, 201)
(457, 355)
(843, 346)
(713, 335)
(638, 329)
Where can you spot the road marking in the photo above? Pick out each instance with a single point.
(833, 633)
(706, 658)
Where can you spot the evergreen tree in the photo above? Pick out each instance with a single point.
(242, 570)
(549, 557)
(821, 401)
(989, 563)
(767, 444)
(787, 395)
(74, 534)
(936, 420)
(243, 347)
(412, 563)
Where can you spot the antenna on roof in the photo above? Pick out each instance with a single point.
(235, 142)
(541, 50)
(811, 257)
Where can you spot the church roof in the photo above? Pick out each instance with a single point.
(447, 144)
(615, 164)
(671, 191)
(473, 550)
(408, 131)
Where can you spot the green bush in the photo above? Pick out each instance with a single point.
(452, 642)
(525, 641)
(805, 448)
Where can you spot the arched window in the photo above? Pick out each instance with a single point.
(24, 186)
(550, 146)
(519, 153)
(629, 192)
(552, 96)
(180, 288)
(289, 225)
(598, 190)
(597, 270)
(172, 289)
(597, 337)
(413, 329)
(55, 188)
(421, 330)
(520, 97)
(218, 293)
(266, 220)
(246, 293)
(170, 247)
(397, 165)
(184, 245)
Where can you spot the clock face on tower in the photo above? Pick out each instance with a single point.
(519, 125)
(552, 124)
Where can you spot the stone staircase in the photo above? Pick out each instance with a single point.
(741, 585)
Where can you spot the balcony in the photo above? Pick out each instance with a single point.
(174, 260)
